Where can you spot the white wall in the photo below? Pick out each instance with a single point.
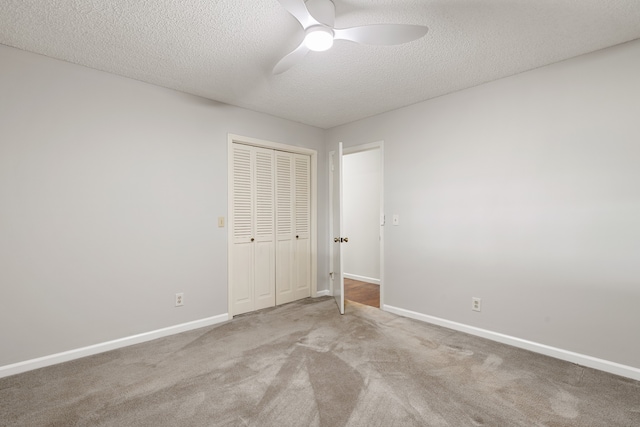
(524, 192)
(361, 215)
(110, 191)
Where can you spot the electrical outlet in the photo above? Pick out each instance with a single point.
(179, 299)
(476, 304)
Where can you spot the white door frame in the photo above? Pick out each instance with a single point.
(379, 145)
(332, 234)
(313, 154)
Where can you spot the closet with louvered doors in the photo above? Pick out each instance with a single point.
(269, 258)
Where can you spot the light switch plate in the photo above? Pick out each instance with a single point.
(220, 221)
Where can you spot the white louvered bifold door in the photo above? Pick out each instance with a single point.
(252, 263)
(264, 245)
(293, 223)
(241, 256)
(285, 245)
(302, 223)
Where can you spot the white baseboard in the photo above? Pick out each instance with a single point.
(558, 353)
(361, 278)
(323, 293)
(41, 362)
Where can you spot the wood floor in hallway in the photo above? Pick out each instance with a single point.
(362, 292)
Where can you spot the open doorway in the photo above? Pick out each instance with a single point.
(362, 222)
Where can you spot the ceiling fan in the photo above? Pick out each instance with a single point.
(317, 18)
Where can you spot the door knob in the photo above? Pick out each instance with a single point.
(346, 240)
(297, 236)
(336, 239)
(252, 239)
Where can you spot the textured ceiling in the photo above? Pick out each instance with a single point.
(225, 49)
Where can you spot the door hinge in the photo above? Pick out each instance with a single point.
(331, 275)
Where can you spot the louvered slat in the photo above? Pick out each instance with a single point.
(264, 194)
(284, 223)
(302, 202)
(242, 193)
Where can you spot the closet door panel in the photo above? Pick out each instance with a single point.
(284, 282)
(264, 275)
(264, 234)
(302, 215)
(241, 256)
(302, 269)
(242, 290)
(284, 228)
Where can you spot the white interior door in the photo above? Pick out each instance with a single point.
(338, 279)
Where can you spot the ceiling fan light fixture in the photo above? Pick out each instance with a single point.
(318, 38)
(317, 17)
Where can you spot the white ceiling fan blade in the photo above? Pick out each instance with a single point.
(291, 59)
(323, 11)
(382, 34)
(299, 10)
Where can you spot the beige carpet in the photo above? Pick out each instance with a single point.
(302, 364)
